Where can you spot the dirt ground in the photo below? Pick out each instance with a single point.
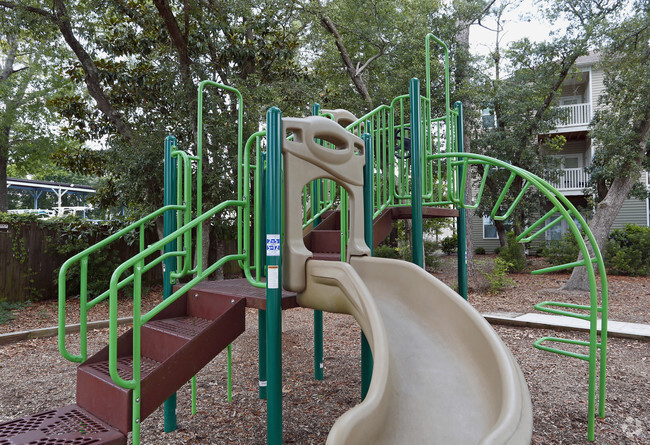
(35, 377)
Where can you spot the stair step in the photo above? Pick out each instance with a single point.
(124, 368)
(67, 425)
(174, 346)
(327, 256)
(326, 241)
(187, 327)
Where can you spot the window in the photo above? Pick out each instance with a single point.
(489, 229)
(571, 162)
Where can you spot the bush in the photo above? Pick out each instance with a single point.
(628, 251)
(497, 250)
(561, 251)
(449, 244)
(431, 260)
(384, 251)
(479, 250)
(513, 253)
(498, 278)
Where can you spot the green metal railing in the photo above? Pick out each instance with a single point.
(461, 165)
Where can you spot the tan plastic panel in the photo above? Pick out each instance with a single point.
(341, 116)
(306, 160)
(441, 374)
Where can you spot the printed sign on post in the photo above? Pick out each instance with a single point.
(272, 245)
(272, 279)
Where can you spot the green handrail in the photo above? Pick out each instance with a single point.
(560, 204)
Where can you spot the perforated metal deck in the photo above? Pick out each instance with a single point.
(70, 425)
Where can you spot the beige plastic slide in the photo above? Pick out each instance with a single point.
(441, 374)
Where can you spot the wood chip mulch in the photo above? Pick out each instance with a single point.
(35, 377)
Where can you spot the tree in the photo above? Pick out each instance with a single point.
(365, 60)
(27, 78)
(621, 127)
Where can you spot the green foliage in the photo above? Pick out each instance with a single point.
(513, 254)
(479, 250)
(7, 309)
(498, 277)
(497, 250)
(431, 260)
(70, 235)
(449, 244)
(385, 251)
(561, 251)
(628, 251)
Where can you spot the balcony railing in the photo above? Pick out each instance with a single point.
(574, 115)
(571, 179)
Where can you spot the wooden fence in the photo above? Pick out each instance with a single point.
(29, 265)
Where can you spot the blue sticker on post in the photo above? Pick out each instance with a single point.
(272, 245)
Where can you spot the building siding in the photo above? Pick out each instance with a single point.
(634, 211)
(597, 87)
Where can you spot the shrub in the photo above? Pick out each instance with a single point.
(479, 250)
(628, 251)
(498, 278)
(497, 250)
(7, 309)
(384, 251)
(562, 251)
(431, 260)
(449, 244)
(513, 253)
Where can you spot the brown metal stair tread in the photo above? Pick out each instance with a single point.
(187, 326)
(69, 425)
(124, 368)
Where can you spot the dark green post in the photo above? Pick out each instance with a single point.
(261, 314)
(461, 222)
(416, 174)
(368, 211)
(169, 265)
(274, 276)
(261, 326)
(318, 315)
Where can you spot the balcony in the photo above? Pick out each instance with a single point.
(572, 181)
(574, 116)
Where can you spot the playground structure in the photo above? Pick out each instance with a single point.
(395, 162)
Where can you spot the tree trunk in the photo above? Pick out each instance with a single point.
(353, 72)
(600, 225)
(4, 155)
(608, 209)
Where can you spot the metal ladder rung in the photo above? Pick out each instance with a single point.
(562, 267)
(538, 345)
(543, 307)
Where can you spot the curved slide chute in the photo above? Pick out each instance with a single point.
(441, 374)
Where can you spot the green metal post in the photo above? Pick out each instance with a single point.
(461, 222)
(318, 315)
(261, 314)
(274, 276)
(169, 265)
(368, 210)
(261, 326)
(416, 174)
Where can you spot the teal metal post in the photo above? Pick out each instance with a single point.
(261, 314)
(169, 265)
(274, 276)
(368, 210)
(318, 315)
(461, 222)
(261, 326)
(416, 174)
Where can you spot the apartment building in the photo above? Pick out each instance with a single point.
(579, 99)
